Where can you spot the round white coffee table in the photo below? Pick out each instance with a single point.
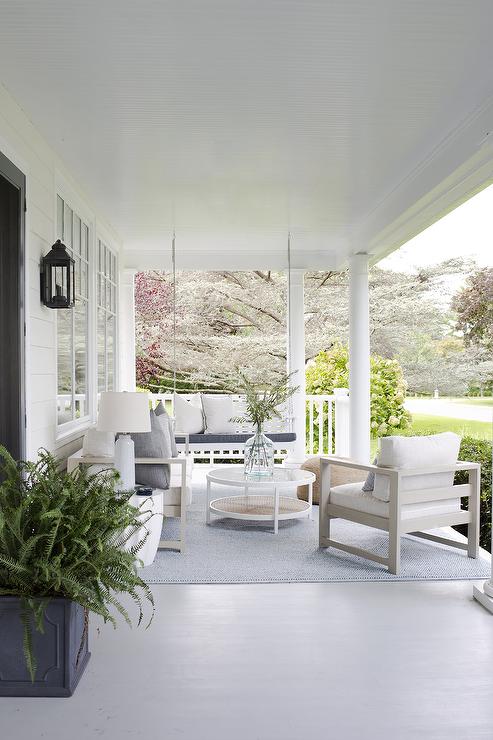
(261, 499)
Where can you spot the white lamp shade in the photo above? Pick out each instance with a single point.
(124, 412)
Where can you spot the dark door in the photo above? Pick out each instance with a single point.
(12, 391)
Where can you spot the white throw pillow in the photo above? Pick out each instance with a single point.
(189, 418)
(413, 452)
(98, 444)
(218, 411)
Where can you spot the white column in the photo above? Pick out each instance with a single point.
(359, 358)
(296, 362)
(126, 331)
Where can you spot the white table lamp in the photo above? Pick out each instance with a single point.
(124, 413)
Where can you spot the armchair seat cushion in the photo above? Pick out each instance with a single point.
(351, 496)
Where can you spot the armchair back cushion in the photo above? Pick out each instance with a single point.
(413, 452)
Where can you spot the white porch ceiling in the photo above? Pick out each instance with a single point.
(353, 124)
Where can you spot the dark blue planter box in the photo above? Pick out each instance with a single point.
(62, 651)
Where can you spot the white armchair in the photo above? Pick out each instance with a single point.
(408, 501)
(175, 499)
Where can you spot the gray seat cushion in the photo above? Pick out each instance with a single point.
(230, 439)
(152, 444)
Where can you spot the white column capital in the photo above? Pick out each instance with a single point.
(359, 263)
(297, 276)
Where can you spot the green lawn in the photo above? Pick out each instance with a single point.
(426, 422)
(435, 424)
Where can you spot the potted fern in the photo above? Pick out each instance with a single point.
(62, 555)
(262, 404)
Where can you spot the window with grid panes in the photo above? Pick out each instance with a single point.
(73, 323)
(107, 283)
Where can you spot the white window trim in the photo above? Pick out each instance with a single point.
(71, 429)
(103, 236)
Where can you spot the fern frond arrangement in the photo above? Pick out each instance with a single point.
(263, 401)
(62, 535)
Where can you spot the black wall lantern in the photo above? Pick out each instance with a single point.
(58, 278)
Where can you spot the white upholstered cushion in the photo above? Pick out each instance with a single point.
(189, 417)
(218, 411)
(351, 496)
(413, 452)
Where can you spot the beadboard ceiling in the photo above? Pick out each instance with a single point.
(353, 124)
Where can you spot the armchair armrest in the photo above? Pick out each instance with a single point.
(346, 462)
(430, 469)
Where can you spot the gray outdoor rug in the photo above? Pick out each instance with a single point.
(233, 551)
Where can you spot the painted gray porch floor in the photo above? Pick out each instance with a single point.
(282, 661)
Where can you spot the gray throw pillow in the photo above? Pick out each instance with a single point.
(369, 483)
(152, 444)
(161, 412)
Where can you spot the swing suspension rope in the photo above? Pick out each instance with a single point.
(290, 353)
(173, 262)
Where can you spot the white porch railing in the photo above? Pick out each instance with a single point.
(327, 420)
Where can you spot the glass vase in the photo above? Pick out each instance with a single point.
(259, 456)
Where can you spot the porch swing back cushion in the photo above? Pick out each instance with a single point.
(218, 412)
(415, 452)
(189, 417)
(152, 444)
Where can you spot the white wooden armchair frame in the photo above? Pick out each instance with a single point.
(178, 510)
(394, 524)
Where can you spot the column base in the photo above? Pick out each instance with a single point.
(482, 595)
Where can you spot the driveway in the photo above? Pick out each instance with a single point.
(439, 407)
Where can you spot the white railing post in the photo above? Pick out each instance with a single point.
(342, 421)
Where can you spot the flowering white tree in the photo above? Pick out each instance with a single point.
(229, 320)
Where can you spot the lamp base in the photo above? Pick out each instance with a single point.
(125, 462)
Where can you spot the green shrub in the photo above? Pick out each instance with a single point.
(330, 370)
(480, 451)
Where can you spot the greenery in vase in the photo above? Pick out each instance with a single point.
(263, 401)
(63, 535)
